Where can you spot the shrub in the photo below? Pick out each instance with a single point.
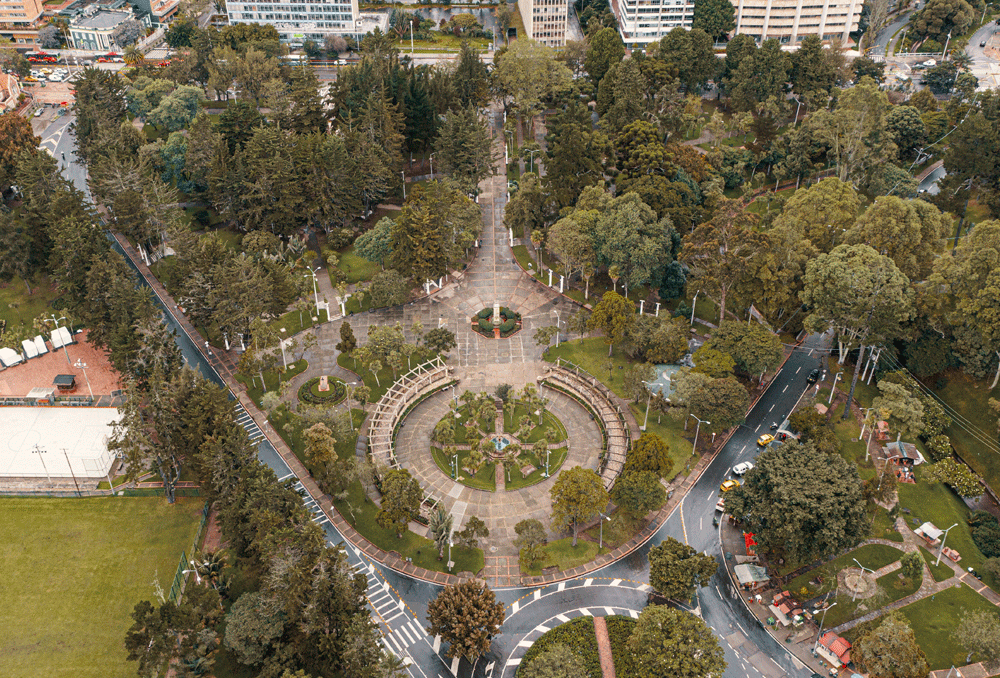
(987, 538)
(339, 238)
(509, 314)
(507, 326)
(485, 326)
(576, 634)
(485, 314)
(336, 393)
(619, 630)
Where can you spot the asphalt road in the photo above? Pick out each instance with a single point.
(881, 44)
(399, 603)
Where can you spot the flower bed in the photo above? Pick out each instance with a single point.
(309, 392)
(510, 322)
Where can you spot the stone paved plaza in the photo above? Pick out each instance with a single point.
(500, 510)
(481, 363)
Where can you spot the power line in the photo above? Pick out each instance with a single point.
(957, 417)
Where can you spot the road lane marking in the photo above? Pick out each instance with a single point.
(515, 606)
(797, 369)
(588, 582)
(563, 618)
(784, 389)
(616, 582)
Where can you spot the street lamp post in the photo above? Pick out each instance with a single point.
(834, 387)
(864, 569)
(821, 622)
(601, 540)
(40, 452)
(693, 305)
(66, 454)
(350, 396)
(312, 273)
(941, 550)
(546, 462)
(80, 365)
(55, 324)
(694, 450)
(432, 166)
(531, 158)
(558, 325)
(403, 174)
(454, 466)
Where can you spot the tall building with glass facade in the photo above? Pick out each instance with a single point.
(300, 20)
(790, 21)
(642, 22)
(545, 20)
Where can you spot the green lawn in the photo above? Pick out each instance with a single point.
(441, 41)
(484, 480)
(884, 527)
(577, 634)
(355, 268)
(294, 322)
(562, 554)
(938, 504)
(19, 309)
(73, 571)
(549, 420)
(379, 383)
(591, 354)
(941, 572)
(894, 589)
(933, 620)
(971, 399)
(556, 459)
(271, 379)
(872, 556)
(360, 511)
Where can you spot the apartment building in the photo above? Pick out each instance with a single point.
(545, 20)
(20, 21)
(301, 20)
(790, 21)
(642, 22)
(160, 11)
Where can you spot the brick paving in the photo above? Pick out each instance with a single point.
(40, 371)
(604, 648)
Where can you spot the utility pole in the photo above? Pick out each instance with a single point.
(65, 454)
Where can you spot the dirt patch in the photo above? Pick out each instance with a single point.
(213, 535)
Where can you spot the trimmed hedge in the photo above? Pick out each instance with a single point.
(507, 326)
(486, 326)
(576, 634)
(619, 630)
(485, 314)
(337, 392)
(508, 314)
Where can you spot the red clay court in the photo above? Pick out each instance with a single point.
(40, 372)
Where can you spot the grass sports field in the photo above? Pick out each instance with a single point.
(71, 570)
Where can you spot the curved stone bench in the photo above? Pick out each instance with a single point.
(391, 408)
(612, 420)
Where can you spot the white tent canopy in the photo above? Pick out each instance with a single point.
(9, 357)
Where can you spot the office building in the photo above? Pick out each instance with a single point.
(642, 22)
(790, 21)
(545, 20)
(159, 11)
(299, 21)
(20, 21)
(94, 30)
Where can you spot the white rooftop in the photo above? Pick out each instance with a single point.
(81, 431)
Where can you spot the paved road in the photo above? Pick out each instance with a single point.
(881, 44)
(58, 140)
(399, 603)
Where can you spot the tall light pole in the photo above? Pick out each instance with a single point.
(834, 387)
(649, 396)
(40, 452)
(693, 305)
(821, 622)
(66, 454)
(941, 550)
(601, 541)
(350, 396)
(558, 324)
(403, 175)
(312, 272)
(531, 158)
(432, 166)
(694, 450)
(80, 365)
(854, 594)
(547, 462)
(55, 324)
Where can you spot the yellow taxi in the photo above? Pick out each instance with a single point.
(765, 440)
(729, 485)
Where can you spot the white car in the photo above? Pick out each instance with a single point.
(742, 469)
(55, 78)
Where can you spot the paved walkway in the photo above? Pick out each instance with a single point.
(500, 510)
(604, 648)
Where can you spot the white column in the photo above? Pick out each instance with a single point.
(511, 230)
(562, 279)
(642, 302)
(550, 277)
(657, 310)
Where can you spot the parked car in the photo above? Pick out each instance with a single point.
(742, 468)
(729, 485)
(765, 440)
(982, 44)
(813, 377)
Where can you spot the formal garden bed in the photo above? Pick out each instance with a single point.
(310, 391)
(579, 637)
(467, 447)
(509, 323)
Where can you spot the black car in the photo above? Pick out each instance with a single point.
(813, 377)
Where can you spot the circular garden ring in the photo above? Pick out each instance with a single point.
(309, 392)
(506, 324)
